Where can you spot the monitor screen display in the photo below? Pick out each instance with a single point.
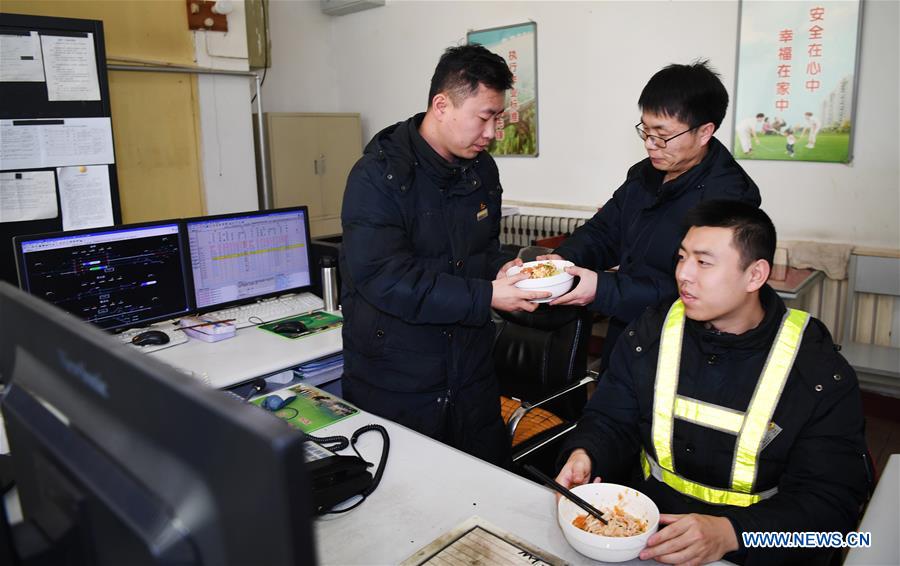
(114, 277)
(118, 459)
(240, 257)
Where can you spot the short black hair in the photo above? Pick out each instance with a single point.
(693, 94)
(462, 68)
(754, 234)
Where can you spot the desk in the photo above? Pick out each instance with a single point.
(251, 353)
(795, 283)
(427, 489)
(882, 519)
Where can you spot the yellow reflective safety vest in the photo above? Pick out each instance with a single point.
(749, 428)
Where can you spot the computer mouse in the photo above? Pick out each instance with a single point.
(289, 327)
(278, 400)
(150, 338)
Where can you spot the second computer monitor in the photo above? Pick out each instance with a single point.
(115, 277)
(239, 257)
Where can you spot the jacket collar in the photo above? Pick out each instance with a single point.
(717, 163)
(406, 152)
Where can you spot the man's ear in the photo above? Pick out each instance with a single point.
(759, 272)
(706, 132)
(439, 104)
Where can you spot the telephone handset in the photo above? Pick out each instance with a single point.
(337, 478)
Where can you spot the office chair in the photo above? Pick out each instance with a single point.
(541, 364)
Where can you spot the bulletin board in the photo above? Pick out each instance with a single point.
(57, 160)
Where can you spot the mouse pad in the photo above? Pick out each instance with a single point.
(314, 322)
(311, 409)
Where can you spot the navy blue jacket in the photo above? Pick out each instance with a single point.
(816, 460)
(420, 249)
(640, 228)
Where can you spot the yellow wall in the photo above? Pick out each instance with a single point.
(155, 116)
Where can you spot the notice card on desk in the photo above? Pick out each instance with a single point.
(309, 408)
(478, 542)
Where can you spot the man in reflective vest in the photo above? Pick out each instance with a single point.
(733, 413)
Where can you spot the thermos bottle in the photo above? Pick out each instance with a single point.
(329, 283)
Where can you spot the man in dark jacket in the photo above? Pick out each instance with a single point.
(639, 228)
(734, 414)
(421, 223)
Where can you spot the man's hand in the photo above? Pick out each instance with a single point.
(584, 293)
(507, 297)
(577, 470)
(506, 266)
(691, 539)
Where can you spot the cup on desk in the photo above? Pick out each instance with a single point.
(779, 269)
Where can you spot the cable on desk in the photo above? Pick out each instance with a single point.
(333, 443)
(376, 479)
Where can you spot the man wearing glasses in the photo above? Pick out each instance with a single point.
(640, 227)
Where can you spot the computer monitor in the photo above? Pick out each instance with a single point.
(119, 459)
(115, 277)
(236, 258)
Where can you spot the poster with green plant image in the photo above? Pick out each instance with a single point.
(517, 127)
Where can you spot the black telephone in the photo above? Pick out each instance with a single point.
(337, 478)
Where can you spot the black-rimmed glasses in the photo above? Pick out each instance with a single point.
(656, 140)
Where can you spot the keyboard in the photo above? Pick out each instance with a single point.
(253, 314)
(175, 337)
(313, 451)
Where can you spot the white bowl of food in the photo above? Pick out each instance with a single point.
(547, 275)
(632, 516)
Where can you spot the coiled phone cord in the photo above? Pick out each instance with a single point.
(376, 479)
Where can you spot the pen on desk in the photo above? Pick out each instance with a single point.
(211, 322)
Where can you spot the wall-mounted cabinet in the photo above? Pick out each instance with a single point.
(310, 157)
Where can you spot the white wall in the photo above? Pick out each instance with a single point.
(226, 129)
(593, 60)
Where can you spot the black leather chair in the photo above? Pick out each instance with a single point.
(541, 364)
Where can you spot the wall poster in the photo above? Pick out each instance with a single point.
(796, 80)
(517, 130)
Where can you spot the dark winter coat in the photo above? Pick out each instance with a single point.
(639, 229)
(420, 249)
(816, 461)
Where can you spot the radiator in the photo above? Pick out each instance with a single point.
(877, 316)
(524, 229)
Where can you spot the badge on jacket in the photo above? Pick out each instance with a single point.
(482, 212)
(771, 432)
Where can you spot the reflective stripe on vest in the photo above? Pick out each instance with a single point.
(749, 427)
(713, 495)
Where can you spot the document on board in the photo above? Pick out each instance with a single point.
(84, 196)
(71, 67)
(20, 58)
(35, 144)
(475, 541)
(27, 195)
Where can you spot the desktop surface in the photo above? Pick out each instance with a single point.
(428, 489)
(253, 352)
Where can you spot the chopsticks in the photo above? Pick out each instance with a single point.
(566, 493)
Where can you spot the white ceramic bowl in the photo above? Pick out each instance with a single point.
(600, 495)
(558, 285)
